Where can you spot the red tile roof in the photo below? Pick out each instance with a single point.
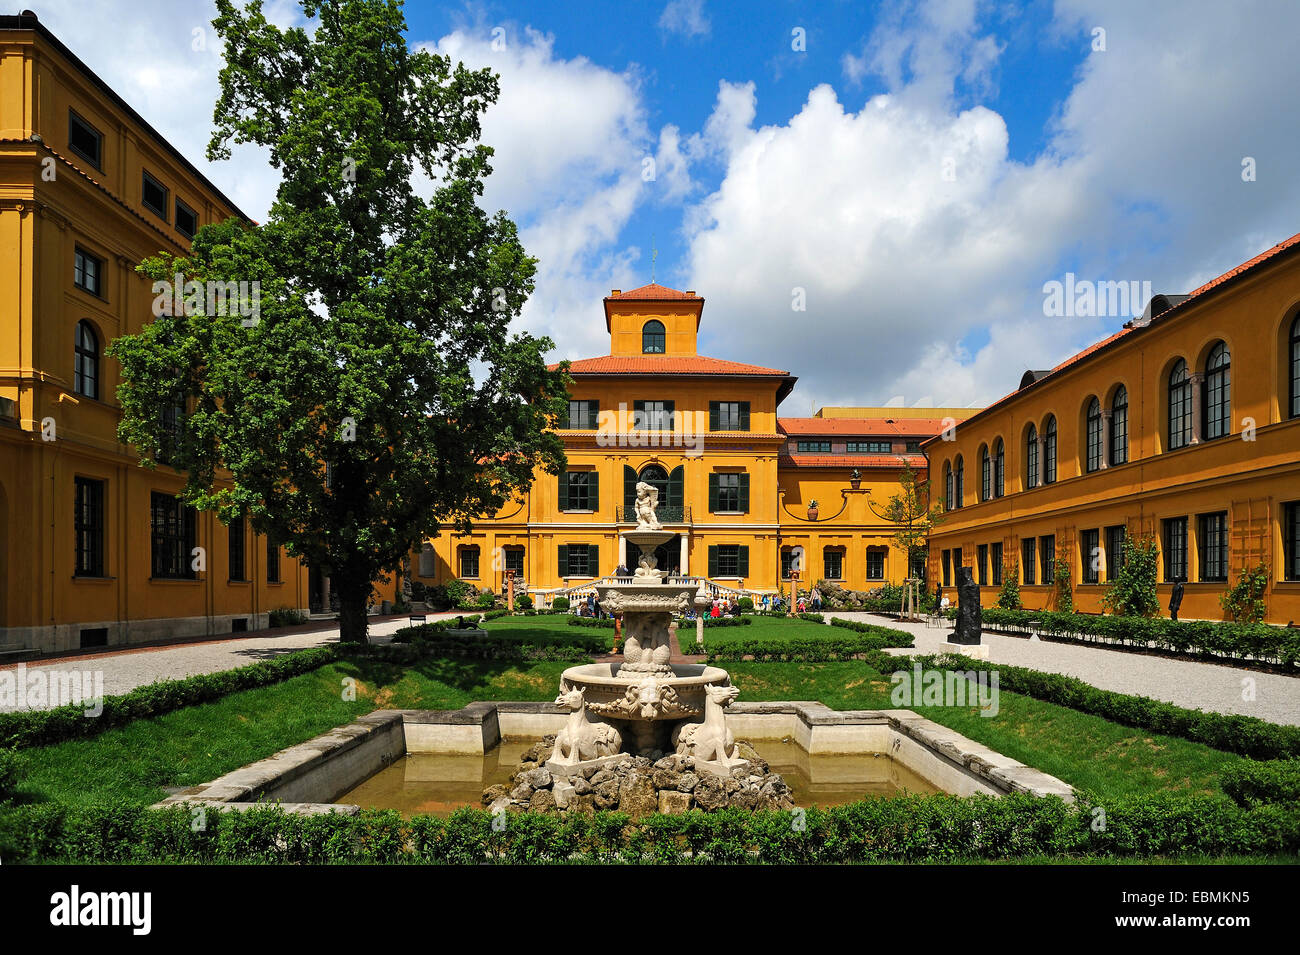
(917, 461)
(654, 292)
(664, 365)
(866, 427)
(1164, 316)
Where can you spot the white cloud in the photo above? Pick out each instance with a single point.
(686, 17)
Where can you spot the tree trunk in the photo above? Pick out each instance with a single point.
(352, 615)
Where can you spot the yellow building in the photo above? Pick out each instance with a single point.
(1185, 426)
(736, 482)
(95, 550)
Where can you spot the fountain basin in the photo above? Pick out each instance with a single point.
(613, 691)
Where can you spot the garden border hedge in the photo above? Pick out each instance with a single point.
(908, 828)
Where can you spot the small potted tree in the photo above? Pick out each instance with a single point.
(812, 510)
(855, 479)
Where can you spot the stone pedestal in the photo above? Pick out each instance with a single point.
(976, 651)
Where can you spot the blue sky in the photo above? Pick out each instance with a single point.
(915, 175)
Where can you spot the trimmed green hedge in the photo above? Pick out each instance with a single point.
(932, 828)
(1244, 735)
(1272, 781)
(1240, 642)
(39, 727)
(598, 622)
(725, 622)
(829, 648)
(433, 639)
(892, 635)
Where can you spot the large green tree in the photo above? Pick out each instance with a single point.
(378, 393)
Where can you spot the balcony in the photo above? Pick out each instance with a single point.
(667, 514)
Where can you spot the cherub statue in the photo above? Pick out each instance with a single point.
(647, 500)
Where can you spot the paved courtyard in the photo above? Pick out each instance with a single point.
(124, 670)
(1195, 685)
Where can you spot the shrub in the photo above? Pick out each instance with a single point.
(1244, 601)
(1133, 592)
(418, 590)
(8, 772)
(604, 623)
(560, 603)
(1061, 582)
(286, 617)
(909, 828)
(1009, 595)
(1272, 781)
(485, 600)
(458, 591)
(745, 604)
(523, 602)
(1244, 643)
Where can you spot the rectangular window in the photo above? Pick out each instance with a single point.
(583, 416)
(833, 563)
(172, 537)
(515, 560)
(1047, 553)
(914, 447)
(1028, 555)
(729, 493)
(187, 220)
(1291, 541)
(995, 555)
(1114, 551)
(579, 491)
(85, 140)
(469, 562)
(729, 560)
(235, 550)
(876, 563)
(652, 415)
(787, 562)
(87, 272)
(983, 565)
(947, 568)
(579, 560)
(1090, 555)
(272, 561)
(1212, 530)
(153, 195)
(813, 447)
(1175, 549)
(868, 447)
(89, 527)
(728, 415)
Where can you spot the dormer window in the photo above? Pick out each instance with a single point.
(653, 338)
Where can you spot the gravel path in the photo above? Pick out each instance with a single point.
(124, 670)
(1188, 683)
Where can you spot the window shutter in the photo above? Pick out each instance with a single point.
(713, 560)
(629, 491)
(593, 490)
(593, 560)
(744, 416)
(743, 563)
(564, 491)
(566, 419)
(713, 493)
(593, 409)
(676, 486)
(744, 492)
(563, 562)
(713, 416)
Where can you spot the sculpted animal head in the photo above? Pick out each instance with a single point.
(721, 695)
(573, 699)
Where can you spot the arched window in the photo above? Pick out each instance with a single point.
(961, 481)
(1119, 427)
(1217, 398)
(1093, 454)
(1180, 407)
(652, 338)
(1031, 457)
(949, 498)
(85, 371)
(1049, 450)
(986, 473)
(1295, 368)
(999, 468)
(657, 477)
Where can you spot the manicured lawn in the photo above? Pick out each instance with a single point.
(762, 628)
(199, 743)
(196, 744)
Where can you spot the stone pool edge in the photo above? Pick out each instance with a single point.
(305, 777)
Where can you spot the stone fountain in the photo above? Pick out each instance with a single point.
(646, 705)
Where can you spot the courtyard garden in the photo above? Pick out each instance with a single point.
(1171, 784)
